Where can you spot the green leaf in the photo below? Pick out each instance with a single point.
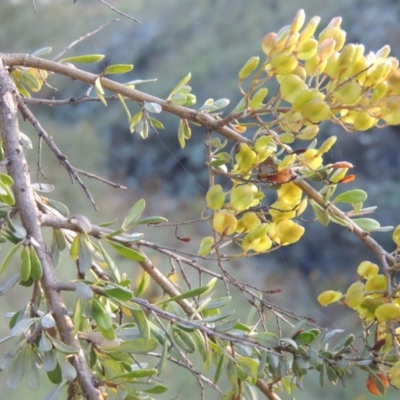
(110, 263)
(22, 326)
(142, 323)
(367, 224)
(100, 91)
(331, 374)
(8, 259)
(36, 265)
(320, 213)
(338, 220)
(125, 107)
(352, 196)
(84, 254)
(219, 369)
(44, 343)
(163, 360)
(9, 283)
(134, 214)
(183, 340)
(50, 360)
(226, 325)
(83, 291)
(85, 59)
(157, 389)
(153, 107)
(68, 372)
(218, 317)
(138, 373)
(139, 81)
(218, 302)
(305, 337)
(62, 347)
(31, 369)
(156, 123)
(221, 103)
(55, 375)
(143, 284)
(266, 339)
(118, 292)
(137, 346)
(11, 354)
(25, 270)
(42, 51)
(182, 82)
(249, 366)
(74, 250)
(187, 295)
(344, 343)
(17, 370)
(101, 316)
(60, 207)
(127, 252)
(118, 69)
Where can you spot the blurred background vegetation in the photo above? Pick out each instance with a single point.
(211, 39)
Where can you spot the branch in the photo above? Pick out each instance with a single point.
(364, 236)
(26, 205)
(207, 121)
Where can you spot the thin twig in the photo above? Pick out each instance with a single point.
(27, 114)
(68, 102)
(119, 12)
(99, 178)
(82, 38)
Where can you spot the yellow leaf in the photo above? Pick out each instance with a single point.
(206, 245)
(396, 236)
(290, 193)
(376, 283)
(366, 269)
(387, 312)
(224, 223)
(329, 297)
(289, 232)
(241, 197)
(354, 294)
(281, 210)
(215, 197)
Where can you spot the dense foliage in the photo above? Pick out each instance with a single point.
(114, 343)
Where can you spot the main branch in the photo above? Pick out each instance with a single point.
(29, 214)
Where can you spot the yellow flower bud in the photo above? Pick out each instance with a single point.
(309, 29)
(268, 43)
(283, 64)
(298, 21)
(249, 67)
(307, 49)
